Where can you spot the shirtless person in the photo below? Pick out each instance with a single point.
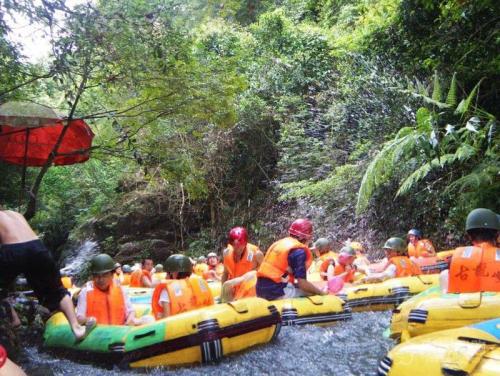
(21, 251)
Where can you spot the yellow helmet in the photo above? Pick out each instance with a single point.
(357, 246)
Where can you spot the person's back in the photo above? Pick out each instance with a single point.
(14, 228)
(476, 268)
(22, 252)
(180, 293)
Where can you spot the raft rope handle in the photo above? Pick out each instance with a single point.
(146, 334)
(478, 340)
(425, 283)
(361, 289)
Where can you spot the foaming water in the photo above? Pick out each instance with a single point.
(73, 263)
(349, 348)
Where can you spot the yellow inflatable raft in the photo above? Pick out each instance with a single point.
(433, 310)
(201, 335)
(312, 310)
(473, 350)
(387, 294)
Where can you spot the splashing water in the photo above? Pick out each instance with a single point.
(349, 348)
(80, 256)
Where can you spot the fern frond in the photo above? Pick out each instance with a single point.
(464, 104)
(451, 98)
(484, 175)
(436, 92)
(378, 172)
(420, 173)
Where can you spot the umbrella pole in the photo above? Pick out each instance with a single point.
(25, 162)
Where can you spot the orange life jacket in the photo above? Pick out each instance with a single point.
(125, 280)
(327, 260)
(136, 277)
(246, 289)
(275, 263)
(219, 270)
(404, 266)
(66, 282)
(244, 265)
(349, 277)
(184, 294)
(108, 307)
(475, 269)
(423, 248)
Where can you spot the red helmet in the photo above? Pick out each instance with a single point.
(238, 233)
(301, 228)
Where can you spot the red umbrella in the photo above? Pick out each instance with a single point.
(29, 132)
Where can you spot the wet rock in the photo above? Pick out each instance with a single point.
(157, 249)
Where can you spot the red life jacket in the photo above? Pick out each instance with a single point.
(275, 263)
(475, 269)
(244, 265)
(108, 307)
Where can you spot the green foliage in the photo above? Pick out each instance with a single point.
(434, 144)
(210, 112)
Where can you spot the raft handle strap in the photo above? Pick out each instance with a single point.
(478, 340)
(361, 289)
(146, 334)
(424, 282)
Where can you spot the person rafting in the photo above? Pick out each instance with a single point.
(21, 251)
(241, 259)
(361, 261)
(118, 274)
(102, 300)
(327, 257)
(158, 274)
(345, 267)
(215, 268)
(283, 272)
(142, 276)
(476, 268)
(419, 247)
(398, 264)
(126, 273)
(201, 266)
(182, 291)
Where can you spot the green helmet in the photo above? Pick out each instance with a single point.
(178, 263)
(202, 259)
(101, 264)
(321, 243)
(158, 268)
(482, 218)
(348, 250)
(396, 244)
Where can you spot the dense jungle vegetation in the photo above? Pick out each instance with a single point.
(368, 116)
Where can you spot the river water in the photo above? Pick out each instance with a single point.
(349, 348)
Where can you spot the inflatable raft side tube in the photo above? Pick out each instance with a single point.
(208, 337)
(290, 317)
